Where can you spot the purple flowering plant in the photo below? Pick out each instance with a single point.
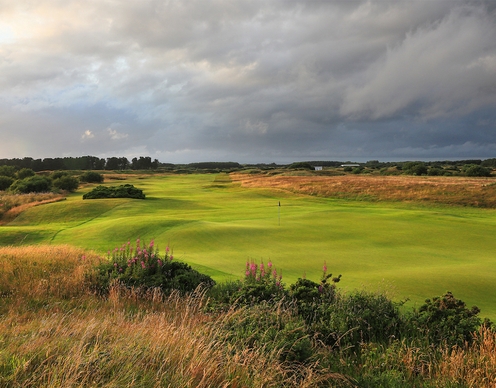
(141, 265)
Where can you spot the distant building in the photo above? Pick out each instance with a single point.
(318, 168)
(350, 165)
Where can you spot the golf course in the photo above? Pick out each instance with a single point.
(410, 250)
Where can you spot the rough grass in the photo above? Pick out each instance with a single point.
(11, 205)
(477, 192)
(55, 333)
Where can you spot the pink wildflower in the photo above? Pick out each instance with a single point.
(269, 264)
(324, 268)
(83, 257)
(143, 265)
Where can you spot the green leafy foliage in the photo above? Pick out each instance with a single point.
(5, 182)
(91, 177)
(476, 170)
(143, 267)
(275, 330)
(415, 168)
(34, 184)
(261, 283)
(7, 171)
(446, 319)
(25, 173)
(66, 182)
(122, 191)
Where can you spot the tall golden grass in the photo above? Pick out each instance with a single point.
(11, 205)
(55, 333)
(479, 192)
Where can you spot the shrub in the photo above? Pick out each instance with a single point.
(261, 283)
(275, 330)
(5, 182)
(301, 165)
(143, 267)
(122, 191)
(34, 184)
(91, 177)
(7, 171)
(59, 174)
(476, 170)
(415, 168)
(445, 319)
(25, 173)
(66, 182)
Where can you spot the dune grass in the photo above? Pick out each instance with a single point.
(411, 250)
(55, 333)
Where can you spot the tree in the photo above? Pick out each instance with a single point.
(476, 170)
(33, 184)
(25, 173)
(5, 182)
(66, 182)
(91, 177)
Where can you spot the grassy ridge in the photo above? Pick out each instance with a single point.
(414, 251)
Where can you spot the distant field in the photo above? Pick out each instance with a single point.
(216, 223)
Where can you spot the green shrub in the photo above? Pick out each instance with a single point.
(66, 182)
(58, 174)
(34, 184)
(91, 177)
(275, 330)
(261, 283)
(476, 170)
(7, 171)
(445, 319)
(122, 191)
(25, 173)
(5, 182)
(143, 267)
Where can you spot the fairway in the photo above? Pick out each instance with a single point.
(410, 251)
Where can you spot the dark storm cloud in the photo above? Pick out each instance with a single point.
(249, 81)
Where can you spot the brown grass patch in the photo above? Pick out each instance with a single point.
(11, 205)
(477, 192)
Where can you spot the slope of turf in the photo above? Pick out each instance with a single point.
(416, 252)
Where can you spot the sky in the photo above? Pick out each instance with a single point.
(249, 81)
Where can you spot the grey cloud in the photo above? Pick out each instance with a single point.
(234, 78)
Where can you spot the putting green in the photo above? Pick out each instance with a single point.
(412, 251)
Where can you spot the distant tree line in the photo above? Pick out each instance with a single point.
(82, 163)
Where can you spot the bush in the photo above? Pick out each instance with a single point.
(415, 168)
(5, 182)
(143, 267)
(58, 174)
(67, 183)
(25, 173)
(260, 284)
(7, 171)
(476, 170)
(275, 330)
(34, 184)
(122, 191)
(445, 319)
(91, 177)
